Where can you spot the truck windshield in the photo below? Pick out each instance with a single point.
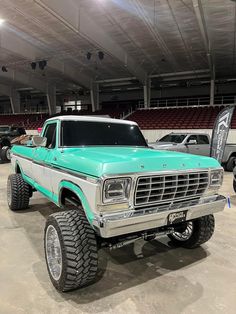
(86, 133)
(173, 138)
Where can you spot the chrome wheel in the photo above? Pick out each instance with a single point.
(186, 234)
(53, 252)
(8, 154)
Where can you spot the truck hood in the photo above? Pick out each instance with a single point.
(99, 161)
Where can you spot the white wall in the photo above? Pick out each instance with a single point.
(153, 135)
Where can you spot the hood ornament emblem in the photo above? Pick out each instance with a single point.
(142, 166)
(164, 165)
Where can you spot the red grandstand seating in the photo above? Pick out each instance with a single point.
(29, 121)
(173, 118)
(178, 118)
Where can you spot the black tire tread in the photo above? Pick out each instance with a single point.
(79, 249)
(234, 185)
(230, 164)
(20, 192)
(203, 229)
(3, 155)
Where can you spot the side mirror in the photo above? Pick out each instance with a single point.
(39, 141)
(192, 142)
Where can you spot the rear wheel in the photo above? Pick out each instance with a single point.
(70, 250)
(230, 164)
(234, 185)
(5, 154)
(18, 192)
(193, 233)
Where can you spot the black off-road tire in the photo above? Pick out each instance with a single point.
(78, 249)
(234, 185)
(230, 164)
(18, 192)
(5, 154)
(203, 229)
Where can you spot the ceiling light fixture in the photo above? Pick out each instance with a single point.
(42, 64)
(33, 65)
(100, 55)
(89, 55)
(2, 21)
(4, 69)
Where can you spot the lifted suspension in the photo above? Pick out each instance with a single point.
(143, 236)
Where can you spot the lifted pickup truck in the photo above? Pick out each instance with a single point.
(195, 143)
(112, 190)
(7, 134)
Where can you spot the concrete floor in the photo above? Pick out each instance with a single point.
(140, 278)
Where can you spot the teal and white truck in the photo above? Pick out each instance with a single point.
(112, 190)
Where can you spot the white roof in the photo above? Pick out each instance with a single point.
(91, 118)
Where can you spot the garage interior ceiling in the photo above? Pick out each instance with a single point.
(169, 40)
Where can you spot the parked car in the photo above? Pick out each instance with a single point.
(7, 134)
(195, 143)
(112, 190)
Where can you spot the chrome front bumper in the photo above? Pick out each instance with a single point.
(110, 225)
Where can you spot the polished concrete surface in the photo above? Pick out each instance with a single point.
(141, 278)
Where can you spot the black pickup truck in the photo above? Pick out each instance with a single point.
(7, 134)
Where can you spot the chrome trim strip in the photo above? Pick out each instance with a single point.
(60, 169)
(140, 174)
(18, 155)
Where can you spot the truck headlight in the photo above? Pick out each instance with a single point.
(216, 178)
(115, 190)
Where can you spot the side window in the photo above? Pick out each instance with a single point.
(203, 139)
(50, 134)
(191, 139)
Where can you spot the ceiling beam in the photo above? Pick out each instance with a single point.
(197, 4)
(13, 43)
(78, 20)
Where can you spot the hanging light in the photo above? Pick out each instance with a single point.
(89, 55)
(33, 65)
(100, 55)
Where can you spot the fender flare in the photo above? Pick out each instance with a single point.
(81, 196)
(17, 164)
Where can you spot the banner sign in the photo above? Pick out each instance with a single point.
(220, 133)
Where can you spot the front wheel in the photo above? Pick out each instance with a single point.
(192, 234)
(70, 250)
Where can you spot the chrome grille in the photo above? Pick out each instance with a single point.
(170, 187)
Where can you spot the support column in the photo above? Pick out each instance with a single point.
(15, 101)
(147, 93)
(94, 93)
(51, 98)
(212, 92)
